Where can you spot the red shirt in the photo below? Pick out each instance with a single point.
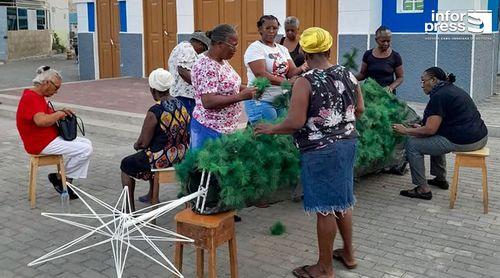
(35, 138)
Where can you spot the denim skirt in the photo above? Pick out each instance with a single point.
(327, 178)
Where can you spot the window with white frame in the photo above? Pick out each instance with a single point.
(41, 22)
(410, 6)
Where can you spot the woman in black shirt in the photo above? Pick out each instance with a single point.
(451, 122)
(291, 40)
(383, 63)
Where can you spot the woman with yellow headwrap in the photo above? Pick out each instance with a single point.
(324, 106)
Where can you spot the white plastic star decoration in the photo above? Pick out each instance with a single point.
(121, 228)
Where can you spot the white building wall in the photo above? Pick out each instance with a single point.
(278, 9)
(59, 19)
(83, 17)
(375, 15)
(354, 11)
(185, 16)
(135, 20)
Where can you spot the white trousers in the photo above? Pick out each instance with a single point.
(76, 155)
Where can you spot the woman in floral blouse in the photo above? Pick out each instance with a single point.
(322, 117)
(218, 89)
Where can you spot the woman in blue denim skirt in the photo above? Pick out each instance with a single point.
(325, 104)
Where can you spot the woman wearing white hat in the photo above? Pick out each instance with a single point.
(164, 137)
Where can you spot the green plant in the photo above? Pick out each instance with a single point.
(349, 60)
(56, 44)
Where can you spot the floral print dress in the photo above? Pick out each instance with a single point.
(210, 77)
(330, 116)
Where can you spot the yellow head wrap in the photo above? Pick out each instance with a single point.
(315, 40)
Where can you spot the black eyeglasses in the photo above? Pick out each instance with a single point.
(232, 46)
(52, 82)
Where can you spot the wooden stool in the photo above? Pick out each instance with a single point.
(475, 159)
(165, 175)
(43, 160)
(208, 232)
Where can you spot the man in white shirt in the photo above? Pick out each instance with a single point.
(182, 58)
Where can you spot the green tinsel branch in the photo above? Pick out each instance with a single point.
(283, 101)
(377, 140)
(261, 83)
(349, 59)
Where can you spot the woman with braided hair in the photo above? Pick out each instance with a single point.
(451, 122)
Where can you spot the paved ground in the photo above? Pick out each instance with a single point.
(20, 73)
(394, 236)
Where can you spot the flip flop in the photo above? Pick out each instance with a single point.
(337, 255)
(301, 272)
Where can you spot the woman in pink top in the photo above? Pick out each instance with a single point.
(218, 89)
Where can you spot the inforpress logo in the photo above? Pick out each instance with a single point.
(479, 21)
(450, 22)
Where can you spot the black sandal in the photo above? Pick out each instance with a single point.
(414, 193)
(301, 272)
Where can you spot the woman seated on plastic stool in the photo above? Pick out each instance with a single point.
(164, 137)
(36, 123)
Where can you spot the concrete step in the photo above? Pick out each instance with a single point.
(86, 112)
(92, 126)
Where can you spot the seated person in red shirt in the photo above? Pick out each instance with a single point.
(36, 123)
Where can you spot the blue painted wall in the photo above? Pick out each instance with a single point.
(123, 16)
(348, 42)
(406, 22)
(493, 5)
(484, 66)
(91, 16)
(455, 55)
(3, 32)
(86, 56)
(418, 53)
(131, 54)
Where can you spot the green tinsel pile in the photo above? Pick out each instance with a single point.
(377, 140)
(247, 167)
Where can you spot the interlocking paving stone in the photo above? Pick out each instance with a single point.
(393, 236)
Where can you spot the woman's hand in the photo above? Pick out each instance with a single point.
(399, 128)
(263, 129)
(389, 89)
(248, 93)
(68, 111)
(60, 114)
(304, 67)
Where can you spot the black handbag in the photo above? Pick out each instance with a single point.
(67, 126)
